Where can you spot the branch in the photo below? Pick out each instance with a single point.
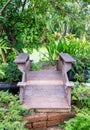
(4, 7)
(24, 3)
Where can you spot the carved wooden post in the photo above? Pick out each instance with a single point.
(24, 66)
(58, 66)
(66, 61)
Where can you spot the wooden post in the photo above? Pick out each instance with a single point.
(24, 66)
(66, 61)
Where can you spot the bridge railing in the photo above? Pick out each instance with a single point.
(64, 64)
(23, 62)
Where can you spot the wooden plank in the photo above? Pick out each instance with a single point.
(22, 58)
(45, 90)
(67, 58)
(46, 102)
(45, 75)
(69, 84)
(22, 84)
(44, 110)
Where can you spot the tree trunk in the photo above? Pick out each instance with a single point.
(11, 37)
(67, 29)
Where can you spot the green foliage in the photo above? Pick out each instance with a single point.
(3, 46)
(9, 72)
(35, 66)
(10, 112)
(81, 98)
(81, 68)
(69, 44)
(27, 24)
(3, 67)
(11, 56)
(81, 95)
(79, 49)
(80, 122)
(12, 73)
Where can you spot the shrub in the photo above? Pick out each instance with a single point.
(35, 66)
(72, 45)
(12, 73)
(81, 68)
(80, 122)
(10, 112)
(79, 49)
(81, 96)
(9, 72)
(3, 67)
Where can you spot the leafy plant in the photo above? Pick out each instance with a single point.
(10, 112)
(79, 49)
(3, 67)
(9, 72)
(80, 122)
(12, 73)
(80, 69)
(81, 95)
(35, 66)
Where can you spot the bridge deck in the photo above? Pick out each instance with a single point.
(45, 90)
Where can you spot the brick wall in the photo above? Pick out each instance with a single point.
(40, 121)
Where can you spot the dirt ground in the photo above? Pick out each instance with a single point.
(54, 128)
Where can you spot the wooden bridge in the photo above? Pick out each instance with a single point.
(46, 90)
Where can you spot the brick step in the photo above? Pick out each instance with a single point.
(41, 121)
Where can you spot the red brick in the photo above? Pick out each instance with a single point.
(39, 124)
(53, 123)
(36, 117)
(66, 116)
(28, 125)
(53, 116)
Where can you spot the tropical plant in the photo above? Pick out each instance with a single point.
(3, 49)
(80, 122)
(11, 112)
(81, 95)
(9, 72)
(81, 104)
(2, 71)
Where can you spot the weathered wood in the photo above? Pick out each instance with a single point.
(65, 62)
(67, 58)
(22, 84)
(21, 58)
(58, 66)
(69, 84)
(24, 66)
(46, 89)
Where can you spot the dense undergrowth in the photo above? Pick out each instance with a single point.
(11, 112)
(81, 104)
(9, 72)
(78, 49)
